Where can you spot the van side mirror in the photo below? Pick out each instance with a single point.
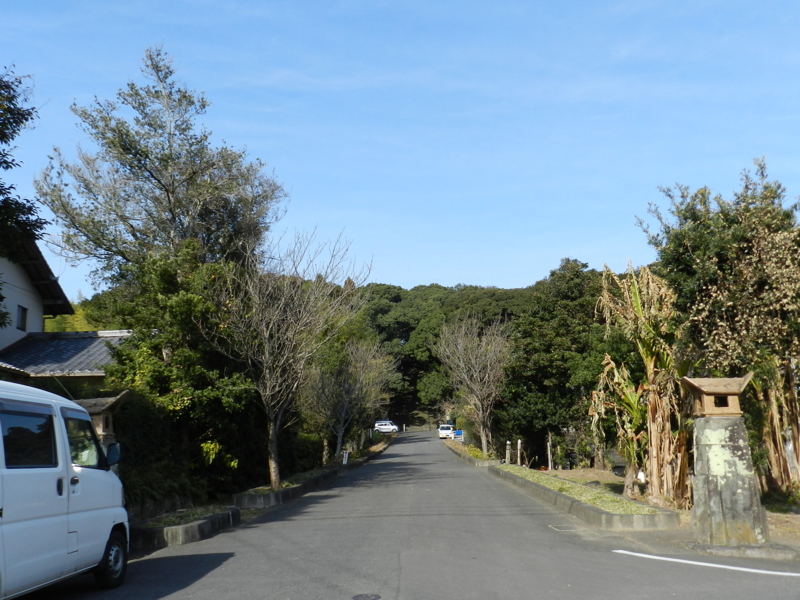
(113, 454)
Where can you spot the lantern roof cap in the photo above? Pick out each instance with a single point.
(719, 385)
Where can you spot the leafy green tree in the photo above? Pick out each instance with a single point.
(409, 322)
(395, 315)
(155, 180)
(216, 429)
(732, 266)
(558, 349)
(735, 267)
(19, 220)
(158, 208)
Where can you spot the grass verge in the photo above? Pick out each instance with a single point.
(470, 450)
(600, 499)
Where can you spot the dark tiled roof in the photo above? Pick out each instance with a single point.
(72, 353)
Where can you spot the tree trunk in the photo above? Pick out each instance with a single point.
(326, 451)
(599, 454)
(274, 471)
(630, 488)
(682, 487)
(776, 451)
(792, 418)
(339, 440)
(484, 442)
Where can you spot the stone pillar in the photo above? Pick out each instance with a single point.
(727, 507)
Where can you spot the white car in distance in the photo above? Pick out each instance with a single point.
(385, 427)
(446, 432)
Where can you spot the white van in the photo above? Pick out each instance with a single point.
(61, 508)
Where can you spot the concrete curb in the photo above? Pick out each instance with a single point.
(153, 538)
(473, 461)
(767, 551)
(663, 519)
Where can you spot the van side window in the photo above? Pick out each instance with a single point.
(83, 445)
(28, 440)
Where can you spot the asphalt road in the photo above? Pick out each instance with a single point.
(417, 523)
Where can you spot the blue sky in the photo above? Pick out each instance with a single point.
(451, 142)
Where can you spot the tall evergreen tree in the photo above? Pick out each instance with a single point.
(155, 180)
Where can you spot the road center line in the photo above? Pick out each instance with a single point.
(711, 565)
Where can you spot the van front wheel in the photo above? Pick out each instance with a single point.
(110, 572)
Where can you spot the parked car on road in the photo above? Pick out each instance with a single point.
(446, 431)
(386, 427)
(62, 510)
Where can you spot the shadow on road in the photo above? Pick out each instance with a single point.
(147, 579)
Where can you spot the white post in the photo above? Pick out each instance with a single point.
(519, 452)
(508, 451)
(549, 453)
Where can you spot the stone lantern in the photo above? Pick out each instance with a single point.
(717, 396)
(727, 508)
(102, 412)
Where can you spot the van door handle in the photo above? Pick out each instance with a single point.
(74, 481)
(60, 486)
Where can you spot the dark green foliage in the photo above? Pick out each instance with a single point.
(559, 348)
(706, 254)
(303, 451)
(408, 323)
(153, 467)
(207, 407)
(19, 220)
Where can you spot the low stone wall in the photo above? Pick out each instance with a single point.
(267, 499)
(662, 519)
(153, 538)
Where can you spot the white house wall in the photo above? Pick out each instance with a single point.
(19, 291)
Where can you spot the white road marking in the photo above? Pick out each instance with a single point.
(711, 565)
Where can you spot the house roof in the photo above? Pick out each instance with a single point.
(82, 353)
(42, 278)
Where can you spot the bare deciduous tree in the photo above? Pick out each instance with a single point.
(355, 391)
(276, 312)
(475, 357)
